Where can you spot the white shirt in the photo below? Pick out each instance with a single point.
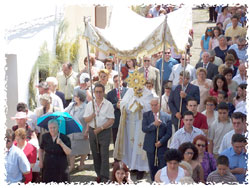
(227, 141)
(176, 70)
(33, 120)
(164, 177)
(182, 136)
(67, 84)
(99, 64)
(103, 113)
(237, 78)
(56, 101)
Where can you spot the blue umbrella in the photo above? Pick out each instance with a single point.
(67, 124)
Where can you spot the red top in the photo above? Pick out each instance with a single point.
(124, 71)
(31, 154)
(237, 63)
(215, 93)
(200, 121)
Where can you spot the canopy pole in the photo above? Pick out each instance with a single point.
(160, 92)
(119, 77)
(86, 19)
(182, 86)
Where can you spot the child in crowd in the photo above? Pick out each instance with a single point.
(222, 174)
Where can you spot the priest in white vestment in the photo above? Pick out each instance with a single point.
(130, 138)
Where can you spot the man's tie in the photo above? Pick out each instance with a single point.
(146, 73)
(155, 116)
(205, 66)
(118, 94)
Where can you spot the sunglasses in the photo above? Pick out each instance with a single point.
(189, 153)
(201, 145)
(210, 104)
(146, 60)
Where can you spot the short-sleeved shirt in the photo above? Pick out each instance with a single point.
(103, 113)
(31, 154)
(236, 161)
(16, 164)
(200, 121)
(215, 177)
(217, 131)
(167, 67)
(182, 136)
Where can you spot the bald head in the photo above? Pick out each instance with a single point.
(242, 70)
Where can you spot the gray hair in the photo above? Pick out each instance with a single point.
(155, 99)
(206, 52)
(241, 39)
(222, 36)
(53, 121)
(211, 53)
(81, 94)
(53, 80)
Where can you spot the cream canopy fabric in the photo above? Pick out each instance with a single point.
(129, 35)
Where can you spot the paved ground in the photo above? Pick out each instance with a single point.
(200, 22)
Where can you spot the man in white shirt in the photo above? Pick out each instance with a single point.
(239, 127)
(100, 132)
(187, 133)
(67, 80)
(17, 163)
(176, 70)
(241, 78)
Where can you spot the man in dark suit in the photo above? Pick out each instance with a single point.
(115, 97)
(151, 73)
(189, 90)
(212, 69)
(150, 124)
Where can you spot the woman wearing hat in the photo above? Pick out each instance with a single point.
(79, 141)
(21, 122)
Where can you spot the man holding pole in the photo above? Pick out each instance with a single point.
(100, 132)
(150, 123)
(179, 96)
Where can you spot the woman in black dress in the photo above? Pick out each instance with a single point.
(53, 155)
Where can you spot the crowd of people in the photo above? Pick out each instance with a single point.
(197, 134)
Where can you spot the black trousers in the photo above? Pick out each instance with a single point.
(212, 14)
(151, 160)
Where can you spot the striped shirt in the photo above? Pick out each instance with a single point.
(215, 177)
(182, 136)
